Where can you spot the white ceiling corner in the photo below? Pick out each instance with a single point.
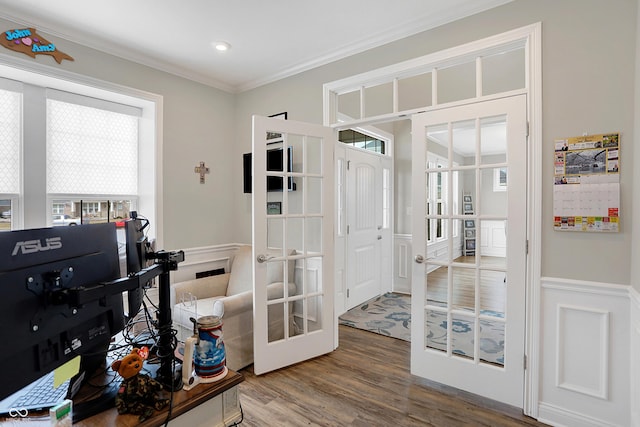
(270, 40)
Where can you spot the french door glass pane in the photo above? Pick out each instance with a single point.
(464, 141)
(463, 283)
(436, 329)
(463, 329)
(437, 285)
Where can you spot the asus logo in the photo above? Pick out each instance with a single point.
(32, 246)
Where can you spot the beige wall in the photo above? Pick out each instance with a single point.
(198, 126)
(588, 80)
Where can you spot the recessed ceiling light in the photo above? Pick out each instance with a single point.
(221, 46)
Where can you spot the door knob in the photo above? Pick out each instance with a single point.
(419, 259)
(263, 258)
(379, 237)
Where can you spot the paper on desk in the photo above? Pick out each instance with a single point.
(66, 371)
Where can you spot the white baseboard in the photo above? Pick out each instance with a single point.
(560, 417)
(635, 356)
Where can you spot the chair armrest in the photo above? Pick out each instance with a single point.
(238, 303)
(206, 287)
(275, 289)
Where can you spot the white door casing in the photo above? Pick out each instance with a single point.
(471, 167)
(293, 216)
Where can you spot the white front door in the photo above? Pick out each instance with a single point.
(293, 215)
(468, 303)
(364, 222)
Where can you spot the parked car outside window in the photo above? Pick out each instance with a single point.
(65, 220)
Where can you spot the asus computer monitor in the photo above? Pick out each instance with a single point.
(42, 327)
(137, 250)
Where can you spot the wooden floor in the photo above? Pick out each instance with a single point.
(365, 382)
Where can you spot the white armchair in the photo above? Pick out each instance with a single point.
(235, 290)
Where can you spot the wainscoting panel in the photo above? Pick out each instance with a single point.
(201, 259)
(584, 354)
(635, 358)
(591, 376)
(402, 254)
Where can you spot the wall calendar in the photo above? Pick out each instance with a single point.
(586, 191)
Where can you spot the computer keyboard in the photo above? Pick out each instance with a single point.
(42, 394)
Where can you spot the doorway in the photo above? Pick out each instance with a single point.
(368, 239)
(503, 65)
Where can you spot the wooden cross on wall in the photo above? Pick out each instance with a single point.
(202, 169)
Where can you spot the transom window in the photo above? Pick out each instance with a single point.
(360, 140)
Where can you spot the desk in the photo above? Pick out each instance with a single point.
(214, 404)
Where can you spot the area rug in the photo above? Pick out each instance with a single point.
(390, 315)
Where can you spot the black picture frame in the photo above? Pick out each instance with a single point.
(466, 199)
(274, 208)
(469, 223)
(275, 135)
(470, 244)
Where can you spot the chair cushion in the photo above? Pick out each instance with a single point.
(241, 278)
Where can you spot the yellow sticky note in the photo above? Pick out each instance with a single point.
(66, 371)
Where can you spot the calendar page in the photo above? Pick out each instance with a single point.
(586, 191)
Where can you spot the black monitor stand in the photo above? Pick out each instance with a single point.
(166, 374)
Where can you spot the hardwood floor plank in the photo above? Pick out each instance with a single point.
(365, 382)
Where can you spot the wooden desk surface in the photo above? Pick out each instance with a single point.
(183, 401)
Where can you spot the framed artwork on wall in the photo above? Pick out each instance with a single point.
(274, 208)
(274, 135)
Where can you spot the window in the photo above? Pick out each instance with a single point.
(58, 208)
(90, 151)
(500, 179)
(386, 198)
(87, 140)
(437, 200)
(10, 137)
(360, 140)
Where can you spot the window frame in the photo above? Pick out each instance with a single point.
(441, 189)
(35, 210)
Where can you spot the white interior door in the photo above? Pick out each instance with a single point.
(293, 215)
(468, 307)
(365, 228)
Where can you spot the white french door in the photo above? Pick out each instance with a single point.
(468, 299)
(293, 215)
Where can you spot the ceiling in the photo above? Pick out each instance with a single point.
(269, 40)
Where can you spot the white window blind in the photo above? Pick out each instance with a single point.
(91, 150)
(10, 138)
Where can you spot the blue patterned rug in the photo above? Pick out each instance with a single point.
(390, 314)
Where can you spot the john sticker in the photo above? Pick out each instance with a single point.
(27, 41)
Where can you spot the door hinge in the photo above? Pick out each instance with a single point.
(527, 135)
(525, 362)
(347, 229)
(347, 293)
(348, 164)
(526, 247)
